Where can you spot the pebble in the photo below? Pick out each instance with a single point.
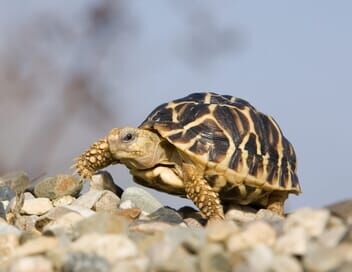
(256, 233)
(192, 240)
(85, 212)
(219, 231)
(150, 227)
(63, 201)
(139, 264)
(36, 206)
(342, 209)
(179, 260)
(268, 215)
(36, 246)
(157, 249)
(189, 212)
(285, 263)
(63, 224)
(346, 267)
(88, 199)
(9, 229)
(32, 264)
(113, 247)
(99, 231)
(260, 258)
(12, 183)
(212, 258)
(52, 216)
(6, 193)
(2, 221)
(107, 202)
(8, 244)
(81, 262)
(58, 186)
(13, 202)
(132, 213)
(166, 215)
(293, 242)
(141, 199)
(103, 223)
(103, 180)
(335, 231)
(193, 223)
(327, 259)
(127, 204)
(28, 235)
(313, 221)
(3, 205)
(26, 223)
(240, 214)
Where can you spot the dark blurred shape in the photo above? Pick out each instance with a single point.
(52, 79)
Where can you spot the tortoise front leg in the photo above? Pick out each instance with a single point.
(98, 156)
(203, 196)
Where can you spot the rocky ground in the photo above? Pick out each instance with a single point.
(53, 226)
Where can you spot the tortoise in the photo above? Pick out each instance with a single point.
(216, 150)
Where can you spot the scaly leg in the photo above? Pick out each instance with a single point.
(276, 202)
(95, 158)
(202, 195)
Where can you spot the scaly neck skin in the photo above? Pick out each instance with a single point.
(164, 153)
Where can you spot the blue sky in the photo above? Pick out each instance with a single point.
(294, 64)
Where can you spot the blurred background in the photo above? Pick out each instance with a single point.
(70, 71)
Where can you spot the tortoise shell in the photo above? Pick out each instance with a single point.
(230, 138)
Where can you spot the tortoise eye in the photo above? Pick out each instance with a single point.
(128, 137)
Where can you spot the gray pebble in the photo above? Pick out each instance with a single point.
(6, 193)
(9, 229)
(12, 183)
(167, 215)
(107, 202)
(102, 180)
(84, 262)
(58, 186)
(88, 199)
(102, 222)
(2, 210)
(141, 199)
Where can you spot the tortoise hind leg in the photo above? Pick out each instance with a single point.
(203, 196)
(276, 202)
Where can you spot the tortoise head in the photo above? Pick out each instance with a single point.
(137, 148)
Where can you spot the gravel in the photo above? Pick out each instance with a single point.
(106, 229)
